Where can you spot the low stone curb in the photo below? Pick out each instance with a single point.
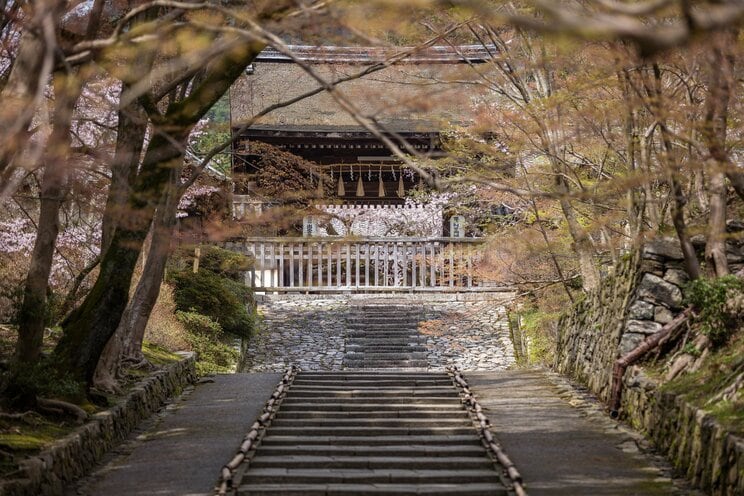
(71, 457)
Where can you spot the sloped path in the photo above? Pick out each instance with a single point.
(179, 451)
(565, 445)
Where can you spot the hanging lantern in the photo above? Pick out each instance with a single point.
(381, 187)
(401, 186)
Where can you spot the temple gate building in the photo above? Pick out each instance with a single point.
(360, 246)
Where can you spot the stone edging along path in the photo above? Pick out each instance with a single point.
(71, 457)
(711, 457)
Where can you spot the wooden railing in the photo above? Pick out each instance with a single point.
(362, 264)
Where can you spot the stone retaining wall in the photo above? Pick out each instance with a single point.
(71, 457)
(467, 330)
(644, 293)
(709, 456)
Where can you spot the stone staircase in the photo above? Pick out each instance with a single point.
(368, 433)
(384, 336)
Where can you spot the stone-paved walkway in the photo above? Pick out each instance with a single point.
(179, 452)
(564, 443)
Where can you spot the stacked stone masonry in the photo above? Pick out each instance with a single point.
(71, 457)
(644, 293)
(312, 332)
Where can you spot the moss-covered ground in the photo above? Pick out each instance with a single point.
(702, 388)
(24, 434)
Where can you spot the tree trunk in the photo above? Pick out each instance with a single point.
(148, 289)
(737, 182)
(34, 309)
(692, 265)
(90, 326)
(88, 329)
(130, 137)
(715, 248)
(127, 341)
(720, 88)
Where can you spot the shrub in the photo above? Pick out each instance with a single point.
(44, 378)
(712, 299)
(205, 336)
(224, 263)
(223, 300)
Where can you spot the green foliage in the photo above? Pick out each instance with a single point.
(223, 300)
(205, 336)
(216, 290)
(711, 297)
(536, 325)
(45, 379)
(691, 349)
(718, 372)
(225, 263)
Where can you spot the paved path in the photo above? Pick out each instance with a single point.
(181, 452)
(559, 447)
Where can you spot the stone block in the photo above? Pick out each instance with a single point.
(653, 267)
(663, 315)
(665, 247)
(655, 289)
(641, 310)
(629, 342)
(676, 277)
(645, 327)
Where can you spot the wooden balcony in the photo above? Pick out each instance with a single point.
(326, 264)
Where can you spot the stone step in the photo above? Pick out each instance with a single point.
(371, 422)
(386, 355)
(392, 489)
(366, 330)
(401, 476)
(412, 450)
(375, 383)
(405, 393)
(469, 439)
(385, 347)
(410, 400)
(392, 414)
(372, 462)
(370, 431)
(370, 375)
(385, 319)
(383, 364)
(373, 343)
(290, 405)
(382, 325)
(371, 385)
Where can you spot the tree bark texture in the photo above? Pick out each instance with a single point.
(722, 79)
(34, 308)
(140, 307)
(90, 326)
(127, 341)
(130, 138)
